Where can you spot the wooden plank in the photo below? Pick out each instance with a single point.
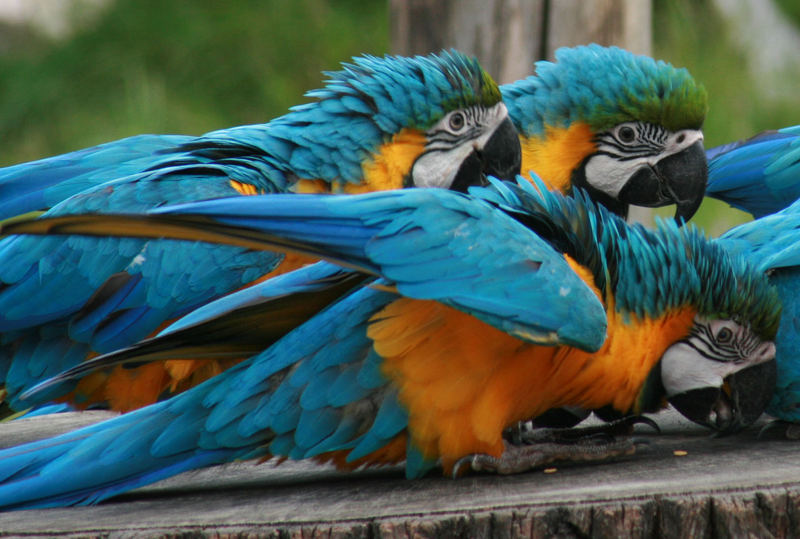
(502, 34)
(722, 487)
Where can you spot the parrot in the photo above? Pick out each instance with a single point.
(475, 311)
(770, 244)
(625, 127)
(759, 175)
(379, 123)
(552, 110)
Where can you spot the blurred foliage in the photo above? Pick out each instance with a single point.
(176, 67)
(692, 34)
(190, 67)
(791, 8)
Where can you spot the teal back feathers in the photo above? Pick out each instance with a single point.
(647, 272)
(603, 87)
(361, 107)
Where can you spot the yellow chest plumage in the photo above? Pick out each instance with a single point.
(555, 155)
(386, 170)
(463, 382)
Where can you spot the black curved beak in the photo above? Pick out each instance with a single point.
(500, 157)
(737, 405)
(678, 179)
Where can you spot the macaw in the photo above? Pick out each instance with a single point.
(380, 123)
(555, 109)
(625, 128)
(760, 175)
(771, 243)
(475, 312)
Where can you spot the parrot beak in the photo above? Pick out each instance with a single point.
(734, 406)
(500, 157)
(678, 179)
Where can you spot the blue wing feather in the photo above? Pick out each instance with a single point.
(280, 399)
(39, 185)
(760, 175)
(439, 226)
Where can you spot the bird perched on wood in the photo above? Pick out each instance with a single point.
(380, 123)
(570, 125)
(480, 311)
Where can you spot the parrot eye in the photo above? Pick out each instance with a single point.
(457, 121)
(724, 335)
(626, 134)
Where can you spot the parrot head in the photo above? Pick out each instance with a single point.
(722, 374)
(427, 121)
(625, 128)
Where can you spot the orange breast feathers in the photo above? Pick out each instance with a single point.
(554, 156)
(388, 168)
(463, 382)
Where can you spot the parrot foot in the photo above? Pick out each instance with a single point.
(526, 447)
(784, 429)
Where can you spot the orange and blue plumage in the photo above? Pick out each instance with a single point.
(625, 128)
(560, 112)
(373, 126)
(477, 311)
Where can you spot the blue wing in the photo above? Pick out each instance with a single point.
(103, 293)
(40, 185)
(432, 244)
(232, 327)
(769, 243)
(760, 175)
(334, 398)
(320, 388)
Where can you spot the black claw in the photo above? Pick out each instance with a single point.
(470, 461)
(643, 420)
(459, 463)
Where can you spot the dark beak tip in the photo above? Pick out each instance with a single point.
(685, 210)
(750, 391)
(687, 172)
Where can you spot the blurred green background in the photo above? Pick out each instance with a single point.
(148, 66)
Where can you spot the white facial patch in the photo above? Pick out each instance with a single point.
(714, 350)
(448, 147)
(617, 159)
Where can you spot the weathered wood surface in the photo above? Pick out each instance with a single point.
(730, 487)
(508, 36)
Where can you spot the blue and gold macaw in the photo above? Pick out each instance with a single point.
(771, 244)
(625, 128)
(569, 124)
(478, 311)
(380, 123)
(760, 175)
